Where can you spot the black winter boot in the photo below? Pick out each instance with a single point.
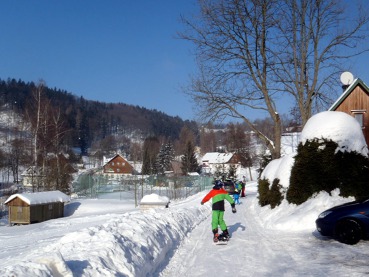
(216, 235)
(225, 234)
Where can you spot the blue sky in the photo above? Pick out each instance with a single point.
(110, 51)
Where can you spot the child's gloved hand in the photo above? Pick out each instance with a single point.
(234, 210)
(202, 203)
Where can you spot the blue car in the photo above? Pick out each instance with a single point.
(348, 223)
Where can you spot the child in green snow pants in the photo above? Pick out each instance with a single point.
(217, 220)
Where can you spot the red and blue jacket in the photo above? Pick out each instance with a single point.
(218, 196)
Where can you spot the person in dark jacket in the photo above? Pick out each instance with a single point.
(218, 195)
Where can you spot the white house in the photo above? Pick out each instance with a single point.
(32, 176)
(214, 161)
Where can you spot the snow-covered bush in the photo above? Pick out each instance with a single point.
(332, 154)
(270, 194)
(318, 167)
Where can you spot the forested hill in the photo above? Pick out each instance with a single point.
(89, 120)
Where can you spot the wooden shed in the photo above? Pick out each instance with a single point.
(28, 208)
(355, 102)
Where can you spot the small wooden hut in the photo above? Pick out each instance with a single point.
(28, 208)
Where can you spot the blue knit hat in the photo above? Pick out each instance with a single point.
(217, 184)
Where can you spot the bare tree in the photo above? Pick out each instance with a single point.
(248, 50)
(186, 135)
(316, 38)
(48, 131)
(208, 142)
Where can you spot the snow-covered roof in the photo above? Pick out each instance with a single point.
(108, 160)
(32, 171)
(217, 158)
(41, 197)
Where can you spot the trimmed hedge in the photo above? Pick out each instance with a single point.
(318, 167)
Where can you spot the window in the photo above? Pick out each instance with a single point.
(359, 116)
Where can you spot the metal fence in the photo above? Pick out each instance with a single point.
(95, 186)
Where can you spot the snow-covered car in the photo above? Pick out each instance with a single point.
(348, 223)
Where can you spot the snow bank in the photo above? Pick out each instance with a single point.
(136, 244)
(290, 217)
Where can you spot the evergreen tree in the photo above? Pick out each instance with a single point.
(189, 161)
(146, 167)
(164, 158)
(150, 149)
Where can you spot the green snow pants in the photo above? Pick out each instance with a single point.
(217, 219)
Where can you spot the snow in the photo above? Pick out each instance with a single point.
(41, 197)
(216, 157)
(154, 198)
(279, 168)
(109, 237)
(339, 127)
(289, 142)
(336, 126)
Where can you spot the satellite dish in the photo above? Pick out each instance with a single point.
(347, 78)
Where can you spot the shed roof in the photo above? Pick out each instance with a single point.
(41, 197)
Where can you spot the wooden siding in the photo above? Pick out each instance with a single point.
(118, 165)
(235, 159)
(19, 215)
(22, 213)
(357, 100)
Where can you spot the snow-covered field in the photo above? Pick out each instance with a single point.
(106, 237)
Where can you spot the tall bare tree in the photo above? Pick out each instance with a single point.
(316, 39)
(253, 53)
(186, 135)
(208, 142)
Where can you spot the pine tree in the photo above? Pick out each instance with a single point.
(146, 168)
(164, 158)
(150, 149)
(189, 161)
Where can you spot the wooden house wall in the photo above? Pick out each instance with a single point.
(235, 159)
(118, 165)
(358, 99)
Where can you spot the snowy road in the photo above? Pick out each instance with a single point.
(105, 237)
(256, 251)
